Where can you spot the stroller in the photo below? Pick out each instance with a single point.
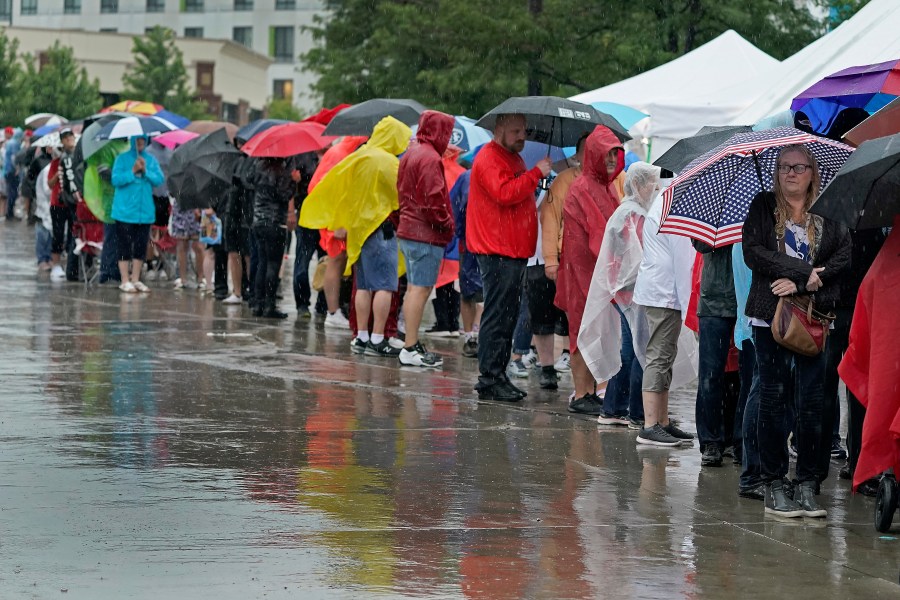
(162, 244)
(88, 233)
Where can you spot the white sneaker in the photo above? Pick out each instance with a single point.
(419, 357)
(178, 283)
(562, 365)
(151, 275)
(517, 368)
(57, 274)
(396, 343)
(232, 299)
(531, 360)
(128, 288)
(139, 286)
(337, 320)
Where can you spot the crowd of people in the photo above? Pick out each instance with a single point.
(390, 220)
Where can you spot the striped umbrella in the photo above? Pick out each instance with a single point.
(709, 200)
(133, 126)
(138, 107)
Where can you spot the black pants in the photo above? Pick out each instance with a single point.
(221, 270)
(713, 426)
(838, 340)
(503, 281)
(270, 241)
(307, 247)
(446, 308)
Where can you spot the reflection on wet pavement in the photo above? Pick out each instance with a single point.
(143, 458)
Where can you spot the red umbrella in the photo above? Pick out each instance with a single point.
(286, 140)
(325, 115)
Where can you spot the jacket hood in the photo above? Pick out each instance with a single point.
(132, 141)
(390, 135)
(596, 147)
(435, 128)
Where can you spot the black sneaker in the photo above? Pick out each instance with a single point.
(382, 348)
(682, 436)
(548, 379)
(636, 424)
(509, 385)
(274, 313)
(757, 492)
(657, 436)
(806, 498)
(357, 346)
(779, 502)
(845, 473)
(589, 404)
(501, 392)
(303, 313)
(837, 452)
(417, 356)
(470, 348)
(712, 456)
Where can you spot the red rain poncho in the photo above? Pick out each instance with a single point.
(590, 203)
(872, 361)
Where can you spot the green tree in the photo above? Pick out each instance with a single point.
(158, 75)
(283, 109)
(60, 85)
(463, 57)
(13, 107)
(841, 10)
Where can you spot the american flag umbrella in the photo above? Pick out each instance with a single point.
(709, 200)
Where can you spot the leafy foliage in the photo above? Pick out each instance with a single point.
(60, 85)
(13, 108)
(283, 109)
(159, 75)
(465, 57)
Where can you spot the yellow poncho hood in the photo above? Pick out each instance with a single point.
(360, 192)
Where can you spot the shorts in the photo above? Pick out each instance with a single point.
(185, 225)
(376, 269)
(237, 239)
(132, 240)
(423, 262)
(546, 317)
(471, 288)
(662, 347)
(161, 207)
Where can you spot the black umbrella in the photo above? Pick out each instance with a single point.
(200, 170)
(554, 121)
(685, 150)
(361, 119)
(865, 193)
(258, 126)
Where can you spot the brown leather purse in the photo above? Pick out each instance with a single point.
(799, 327)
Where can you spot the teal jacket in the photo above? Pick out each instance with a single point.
(133, 199)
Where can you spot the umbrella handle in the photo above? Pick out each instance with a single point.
(762, 186)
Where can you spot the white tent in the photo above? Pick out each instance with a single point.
(710, 85)
(871, 36)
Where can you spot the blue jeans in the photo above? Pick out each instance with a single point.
(502, 277)
(43, 241)
(623, 392)
(715, 341)
(109, 266)
(306, 248)
(12, 193)
(775, 394)
(748, 412)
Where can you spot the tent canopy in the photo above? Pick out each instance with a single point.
(871, 36)
(710, 85)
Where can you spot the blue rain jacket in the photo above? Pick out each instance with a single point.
(133, 199)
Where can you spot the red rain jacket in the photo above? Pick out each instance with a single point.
(590, 202)
(869, 367)
(501, 217)
(425, 212)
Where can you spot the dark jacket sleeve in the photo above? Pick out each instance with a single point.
(701, 247)
(763, 259)
(837, 264)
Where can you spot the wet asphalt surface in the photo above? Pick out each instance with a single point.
(168, 446)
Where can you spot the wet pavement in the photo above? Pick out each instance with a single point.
(168, 446)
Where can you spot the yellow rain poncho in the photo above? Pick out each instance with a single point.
(360, 192)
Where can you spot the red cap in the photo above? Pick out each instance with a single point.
(28, 133)
(8, 131)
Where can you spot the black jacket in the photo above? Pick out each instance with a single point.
(768, 264)
(273, 190)
(717, 297)
(239, 205)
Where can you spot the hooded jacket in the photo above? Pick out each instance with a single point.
(590, 202)
(273, 189)
(133, 198)
(501, 218)
(360, 192)
(425, 212)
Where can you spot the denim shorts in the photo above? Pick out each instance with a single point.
(423, 262)
(376, 268)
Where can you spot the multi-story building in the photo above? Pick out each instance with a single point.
(274, 28)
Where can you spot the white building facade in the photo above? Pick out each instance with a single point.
(274, 28)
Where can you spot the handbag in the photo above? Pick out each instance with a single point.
(799, 327)
(318, 280)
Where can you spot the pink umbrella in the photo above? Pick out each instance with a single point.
(173, 139)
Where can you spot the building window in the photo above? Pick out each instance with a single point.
(192, 6)
(29, 7)
(243, 4)
(109, 30)
(283, 89)
(285, 4)
(230, 112)
(243, 36)
(72, 7)
(109, 6)
(156, 6)
(5, 9)
(193, 32)
(281, 44)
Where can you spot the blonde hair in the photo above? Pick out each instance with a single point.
(782, 208)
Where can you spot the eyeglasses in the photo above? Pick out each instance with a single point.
(798, 169)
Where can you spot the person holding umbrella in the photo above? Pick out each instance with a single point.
(501, 226)
(135, 173)
(791, 251)
(273, 190)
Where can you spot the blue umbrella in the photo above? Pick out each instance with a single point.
(626, 116)
(42, 131)
(134, 126)
(535, 151)
(467, 135)
(177, 120)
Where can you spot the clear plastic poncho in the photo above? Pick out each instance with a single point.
(615, 272)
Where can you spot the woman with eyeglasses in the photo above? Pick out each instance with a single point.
(791, 251)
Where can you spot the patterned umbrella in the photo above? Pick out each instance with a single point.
(134, 126)
(710, 199)
(138, 107)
